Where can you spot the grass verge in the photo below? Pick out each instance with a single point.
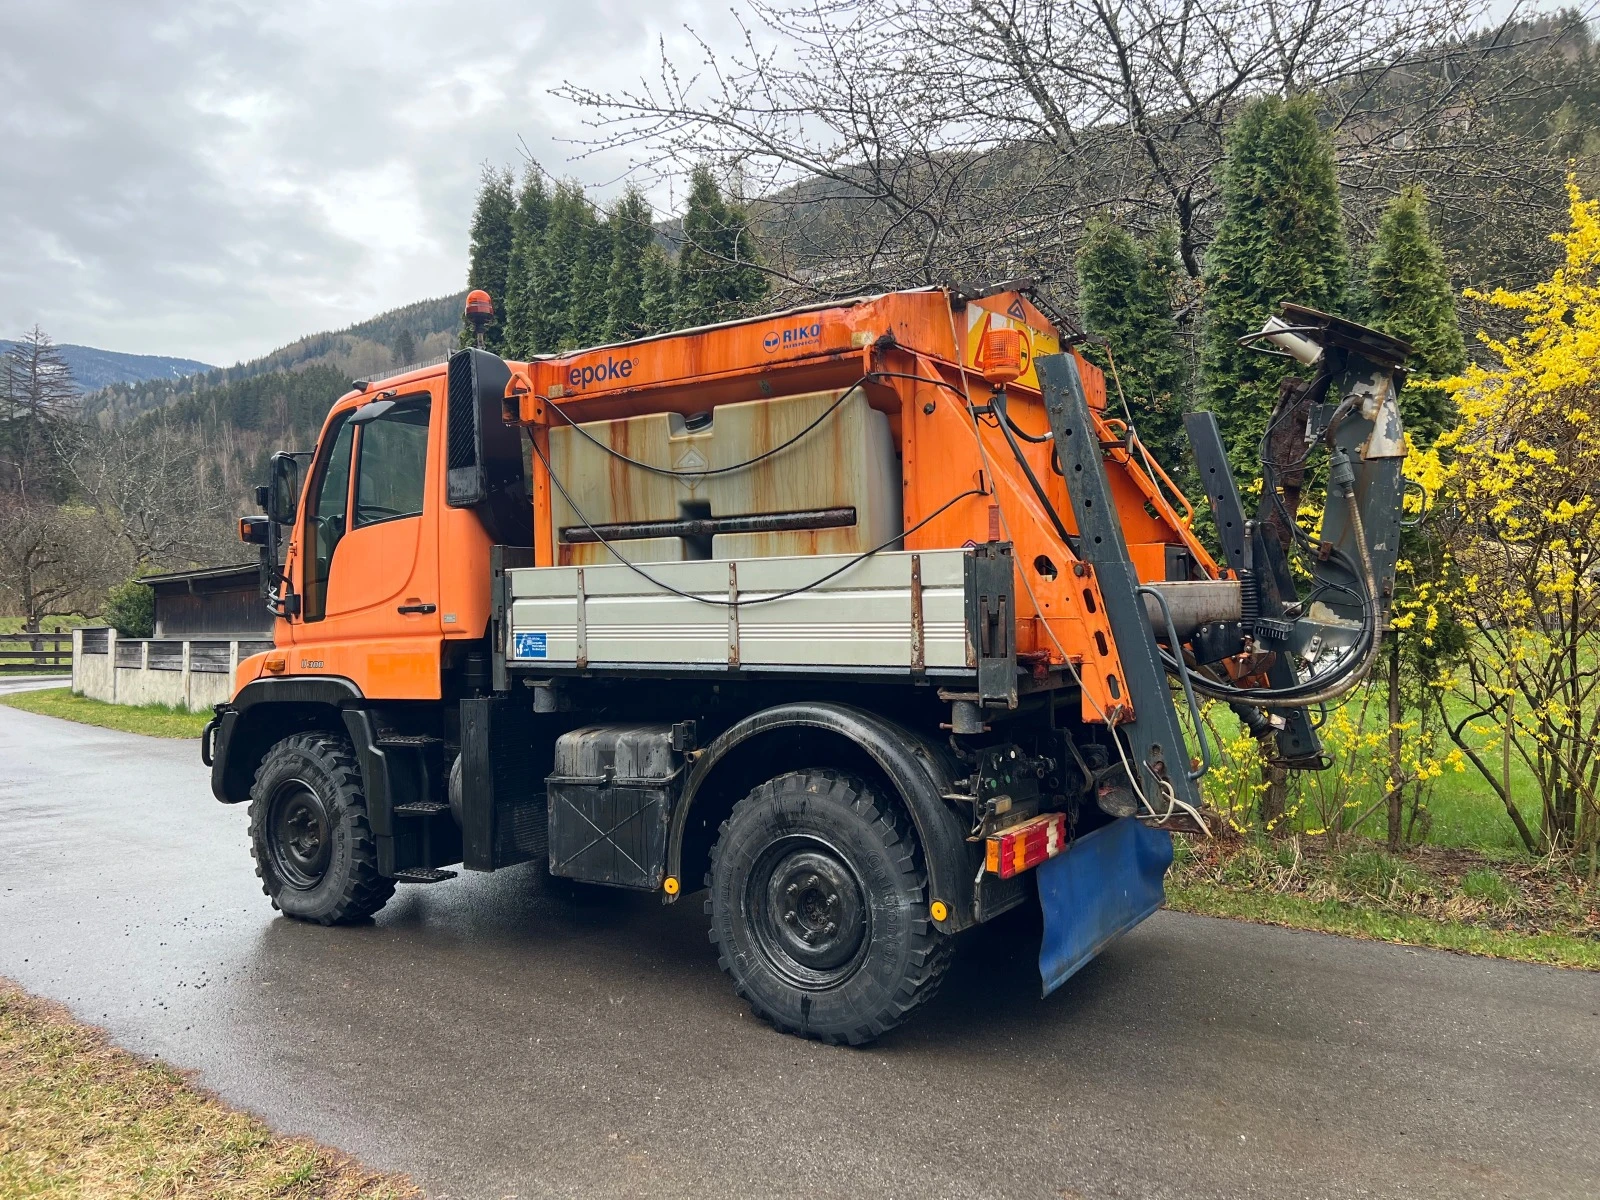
(1536, 911)
(81, 1118)
(154, 720)
(1352, 920)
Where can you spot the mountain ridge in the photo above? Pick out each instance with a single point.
(93, 368)
(415, 332)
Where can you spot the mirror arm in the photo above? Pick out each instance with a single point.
(275, 586)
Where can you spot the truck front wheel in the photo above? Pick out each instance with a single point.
(314, 850)
(819, 908)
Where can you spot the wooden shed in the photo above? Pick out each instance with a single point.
(215, 602)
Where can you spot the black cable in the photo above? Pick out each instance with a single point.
(950, 387)
(667, 587)
(766, 454)
(1038, 439)
(676, 474)
(999, 404)
(1224, 691)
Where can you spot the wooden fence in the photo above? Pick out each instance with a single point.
(35, 653)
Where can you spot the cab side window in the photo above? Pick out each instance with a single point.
(392, 464)
(327, 521)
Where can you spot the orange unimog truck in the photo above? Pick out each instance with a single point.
(875, 618)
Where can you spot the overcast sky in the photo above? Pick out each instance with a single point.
(215, 178)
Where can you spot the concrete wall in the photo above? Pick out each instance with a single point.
(184, 674)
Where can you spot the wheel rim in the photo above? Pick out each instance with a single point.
(811, 918)
(299, 834)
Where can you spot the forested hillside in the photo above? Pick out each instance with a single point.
(240, 424)
(150, 475)
(419, 332)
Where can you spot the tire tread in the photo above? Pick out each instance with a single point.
(929, 960)
(364, 889)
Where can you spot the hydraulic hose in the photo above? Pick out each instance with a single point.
(1375, 634)
(1027, 471)
(1338, 683)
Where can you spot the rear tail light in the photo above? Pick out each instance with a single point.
(1024, 846)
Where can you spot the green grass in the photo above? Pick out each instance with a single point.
(1462, 809)
(1487, 885)
(153, 720)
(48, 625)
(1476, 902)
(1378, 924)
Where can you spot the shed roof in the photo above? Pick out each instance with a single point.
(243, 572)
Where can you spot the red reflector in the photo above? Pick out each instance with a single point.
(1025, 846)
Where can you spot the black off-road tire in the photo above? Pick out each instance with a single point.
(819, 908)
(315, 852)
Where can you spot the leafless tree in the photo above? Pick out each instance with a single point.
(895, 142)
(154, 491)
(56, 560)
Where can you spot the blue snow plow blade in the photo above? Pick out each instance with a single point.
(1103, 885)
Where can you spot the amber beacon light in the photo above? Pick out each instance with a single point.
(480, 311)
(1002, 356)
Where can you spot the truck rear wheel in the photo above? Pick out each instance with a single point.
(819, 908)
(314, 850)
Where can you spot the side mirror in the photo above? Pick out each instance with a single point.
(284, 497)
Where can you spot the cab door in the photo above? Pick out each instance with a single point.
(370, 574)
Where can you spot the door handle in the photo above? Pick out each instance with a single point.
(417, 608)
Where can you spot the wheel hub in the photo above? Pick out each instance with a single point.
(301, 846)
(816, 910)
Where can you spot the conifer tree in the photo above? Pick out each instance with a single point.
(562, 269)
(1407, 293)
(490, 256)
(631, 235)
(1124, 290)
(589, 305)
(657, 301)
(717, 277)
(526, 321)
(1280, 238)
(38, 402)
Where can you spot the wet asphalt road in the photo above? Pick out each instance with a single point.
(494, 1042)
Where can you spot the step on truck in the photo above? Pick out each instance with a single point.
(875, 619)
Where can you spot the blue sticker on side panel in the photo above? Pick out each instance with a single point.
(528, 645)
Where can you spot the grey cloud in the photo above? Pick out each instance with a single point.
(213, 179)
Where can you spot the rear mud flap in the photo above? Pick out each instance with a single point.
(1101, 887)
